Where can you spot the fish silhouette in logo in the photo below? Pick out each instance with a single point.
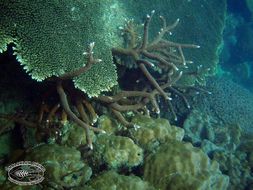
(26, 173)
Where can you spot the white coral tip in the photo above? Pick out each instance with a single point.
(136, 127)
(90, 146)
(92, 44)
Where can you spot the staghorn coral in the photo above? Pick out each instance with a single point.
(201, 22)
(157, 54)
(178, 165)
(49, 38)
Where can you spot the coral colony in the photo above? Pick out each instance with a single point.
(97, 116)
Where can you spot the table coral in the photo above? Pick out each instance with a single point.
(49, 38)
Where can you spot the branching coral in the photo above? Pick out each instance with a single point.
(82, 119)
(158, 54)
(161, 53)
(149, 55)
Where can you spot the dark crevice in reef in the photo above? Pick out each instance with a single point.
(14, 78)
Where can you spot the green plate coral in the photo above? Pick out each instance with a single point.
(50, 38)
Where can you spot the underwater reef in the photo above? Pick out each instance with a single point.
(117, 95)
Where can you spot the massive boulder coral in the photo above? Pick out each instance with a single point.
(50, 37)
(222, 142)
(74, 136)
(202, 128)
(237, 167)
(112, 180)
(151, 133)
(178, 165)
(64, 166)
(116, 151)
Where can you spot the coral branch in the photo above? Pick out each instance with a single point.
(90, 61)
(159, 54)
(152, 80)
(120, 117)
(65, 105)
(85, 118)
